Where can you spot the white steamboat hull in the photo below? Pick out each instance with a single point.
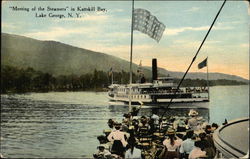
(176, 103)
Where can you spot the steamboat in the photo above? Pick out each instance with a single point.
(159, 92)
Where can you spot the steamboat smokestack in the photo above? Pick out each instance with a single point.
(154, 69)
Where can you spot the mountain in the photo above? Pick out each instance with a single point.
(61, 59)
(56, 58)
(200, 75)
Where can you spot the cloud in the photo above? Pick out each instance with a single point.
(115, 35)
(176, 31)
(193, 9)
(55, 33)
(244, 45)
(8, 26)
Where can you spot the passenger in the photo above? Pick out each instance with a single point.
(152, 126)
(187, 145)
(127, 119)
(111, 123)
(118, 139)
(102, 153)
(125, 131)
(209, 136)
(225, 122)
(135, 124)
(197, 151)
(144, 128)
(214, 127)
(193, 122)
(164, 124)
(131, 140)
(135, 111)
(103, 142)
(208, 146)
(172, 144)
(155, 117)
(181, 126)
(107, 132)
(133, 153)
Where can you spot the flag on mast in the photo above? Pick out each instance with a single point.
(202, 64)
(146, 23)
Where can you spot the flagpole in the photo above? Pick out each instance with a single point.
(112, 78)
(131, 53)
(208, 81)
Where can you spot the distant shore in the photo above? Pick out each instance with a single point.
(70, 90)
(15, 80)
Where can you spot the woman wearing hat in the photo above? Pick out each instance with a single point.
(172, 144)
(119, 142)
(193, 122)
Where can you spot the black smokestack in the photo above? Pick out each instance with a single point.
(154, 69)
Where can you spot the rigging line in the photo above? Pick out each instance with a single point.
(193, 60)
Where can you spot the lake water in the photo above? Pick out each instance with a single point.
(66, 124)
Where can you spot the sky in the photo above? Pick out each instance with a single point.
(108, 30)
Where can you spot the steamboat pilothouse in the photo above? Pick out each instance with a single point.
(159, 92)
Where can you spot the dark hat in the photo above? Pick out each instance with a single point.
(100, 147)
(110, 121)
(117, 124)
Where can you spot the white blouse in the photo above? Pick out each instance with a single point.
(117, 135)
(177, 144)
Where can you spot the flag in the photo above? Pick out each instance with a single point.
(110, 71)
(202, 64)
(148, 24)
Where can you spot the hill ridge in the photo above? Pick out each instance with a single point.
(59, 58)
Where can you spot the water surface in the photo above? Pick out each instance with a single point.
(66, 124)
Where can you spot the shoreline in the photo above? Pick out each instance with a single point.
(87, 90)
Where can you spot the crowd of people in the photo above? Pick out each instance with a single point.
(157, 137)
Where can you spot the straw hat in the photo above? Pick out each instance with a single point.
(192, 113)
(107, 131)
(170, 131)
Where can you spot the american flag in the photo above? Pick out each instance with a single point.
(148, 24)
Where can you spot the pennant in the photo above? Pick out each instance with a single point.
(202, 64)
(148, 24)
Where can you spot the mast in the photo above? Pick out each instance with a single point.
(112, 78)
(131, 53)
(208, 81)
